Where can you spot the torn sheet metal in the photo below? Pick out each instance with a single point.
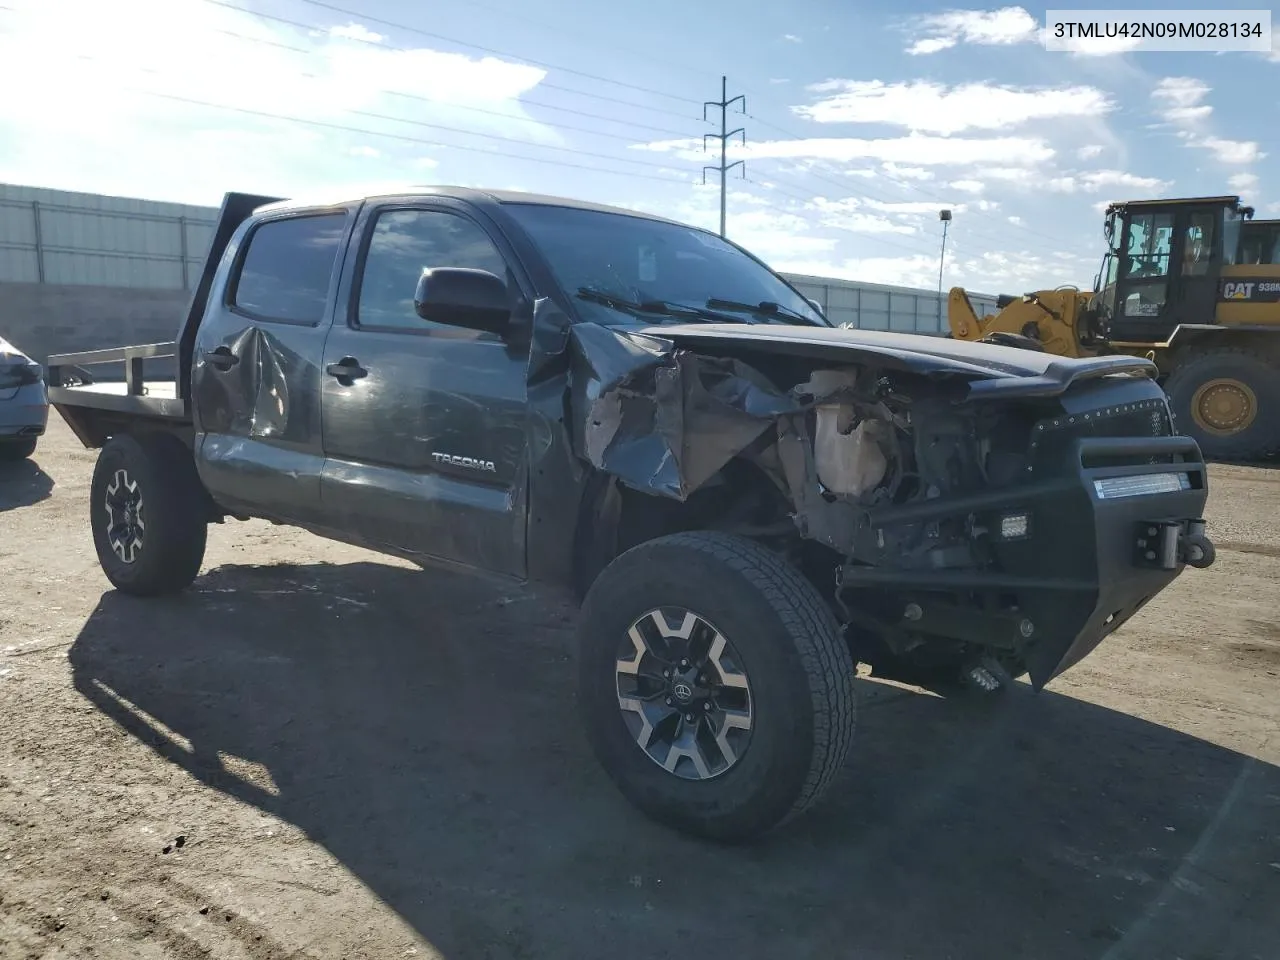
(661, 419)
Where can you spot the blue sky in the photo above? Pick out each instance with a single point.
(861, 121)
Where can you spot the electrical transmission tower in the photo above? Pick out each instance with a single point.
(723, 136)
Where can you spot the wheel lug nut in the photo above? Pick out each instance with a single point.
(668, 701)
(689, 717)
(684, 663)
(707, 706)
(666, 673)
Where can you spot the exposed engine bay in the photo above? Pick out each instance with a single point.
(946, 525)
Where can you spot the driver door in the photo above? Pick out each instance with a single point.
(424, 424)
(1144, 296)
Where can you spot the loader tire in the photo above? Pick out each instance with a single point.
(148, 513)
(1228, 400)
(695, 642)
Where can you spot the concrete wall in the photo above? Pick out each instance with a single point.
(40, 319)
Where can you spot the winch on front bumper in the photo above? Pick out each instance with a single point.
(1073, 554)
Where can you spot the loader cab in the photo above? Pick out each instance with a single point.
(1163, 263)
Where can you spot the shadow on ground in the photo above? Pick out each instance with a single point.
(23, 483)
(421, 728)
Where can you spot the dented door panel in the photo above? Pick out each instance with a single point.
(255, 376)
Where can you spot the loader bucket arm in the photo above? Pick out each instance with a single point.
(961, 317)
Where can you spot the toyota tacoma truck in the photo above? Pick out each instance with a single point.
(746, 500)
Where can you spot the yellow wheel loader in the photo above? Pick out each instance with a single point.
(1194, 285)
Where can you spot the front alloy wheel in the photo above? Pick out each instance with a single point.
(714, 683)
(683, 694)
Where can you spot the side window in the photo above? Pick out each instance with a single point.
(286, 271)
(1150, 237)
(406, 242)
(1147, 255)
(1198, 248)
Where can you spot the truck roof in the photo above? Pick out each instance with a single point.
(472, 194)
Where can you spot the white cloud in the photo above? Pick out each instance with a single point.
(1021, 175)
(1243, 182)
(1095, 180)
(1230, 151)
(969, 186)
(779, 80)
(371, 153)
(941, 31)
(915, 149)
(1181, 100)
(904, 173)
(1181, 103)
(1015, 220)
(791, 38)
(926, 107)
(1090, 151)
(989, 272)
(100, 63)
(1100, 46)
(355, 31)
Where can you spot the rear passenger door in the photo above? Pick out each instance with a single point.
(426, 444)
(255, 375)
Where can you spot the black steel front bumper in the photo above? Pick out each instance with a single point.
(1105, 533)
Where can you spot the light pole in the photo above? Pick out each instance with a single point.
(945, 217)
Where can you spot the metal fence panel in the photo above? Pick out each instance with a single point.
(61, 237)
(57, 237)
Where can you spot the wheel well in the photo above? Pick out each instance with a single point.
(741, 498)
(158, 431)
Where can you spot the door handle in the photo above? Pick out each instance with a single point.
(347, 370)
(221, 358)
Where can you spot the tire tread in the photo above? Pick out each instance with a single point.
(808, 622)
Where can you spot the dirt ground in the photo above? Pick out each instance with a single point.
(319, 753)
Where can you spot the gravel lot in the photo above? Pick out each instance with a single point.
(317, 752)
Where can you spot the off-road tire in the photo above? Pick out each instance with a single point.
(14, 450)
(789, 646)
(1261, 374)
(175, 512)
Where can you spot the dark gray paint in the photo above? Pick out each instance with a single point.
(258, 428)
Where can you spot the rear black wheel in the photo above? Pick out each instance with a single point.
(1228, 400)
(148, 514)
(12, 450)
(716, 689)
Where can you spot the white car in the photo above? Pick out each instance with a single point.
(24, 403)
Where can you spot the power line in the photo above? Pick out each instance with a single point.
(347, 128)
(384, 45)
(559, 29)
(453, 40)
(723, 136)
(469, 108)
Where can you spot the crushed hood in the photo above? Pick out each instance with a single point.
(1019, 372)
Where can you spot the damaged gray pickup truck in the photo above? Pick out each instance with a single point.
(747, 500)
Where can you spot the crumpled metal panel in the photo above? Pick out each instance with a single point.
(661, 419)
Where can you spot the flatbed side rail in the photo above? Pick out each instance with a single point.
(132, 357)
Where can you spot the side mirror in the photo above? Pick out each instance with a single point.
(462, 297)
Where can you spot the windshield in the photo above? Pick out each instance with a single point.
(651, 262)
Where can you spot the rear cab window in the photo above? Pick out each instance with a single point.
(287, 268)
